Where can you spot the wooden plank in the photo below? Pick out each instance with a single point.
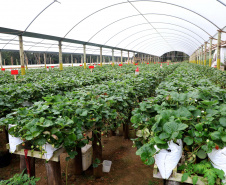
(177, 177)
(36, 154)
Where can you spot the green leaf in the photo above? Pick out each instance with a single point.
(222, 121)
(201, 154)
(199, 127)
(158, 140)
(188, 140)
(215, 135)
(164, 135)
(182, 126)
(84, 113)
(223, 138)
(195, 180)
(170, 127)
(184, 177)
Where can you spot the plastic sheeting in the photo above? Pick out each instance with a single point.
(148, 26)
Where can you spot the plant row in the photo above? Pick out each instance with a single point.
(190, 107)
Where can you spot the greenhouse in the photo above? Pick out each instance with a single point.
(112, 92)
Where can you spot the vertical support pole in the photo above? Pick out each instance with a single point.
(11, 60)
(90, 59)
(205, 54)
(1, 58)
(45, 59)
(39, 59)
(101, 57)
(26, 62)
(50, 60)
(71, 60)
(84, 55)
(142, 58)
(113, 58)
(202, 55)
(53, 170)
(210, 52)
(4, 62)
(121, 57)
(97, 152)
(24, 167)
(199, 55)
(97, 60)
(219, 50)
(134, 58)
(128, 57)
(60, 56)
(21, 55)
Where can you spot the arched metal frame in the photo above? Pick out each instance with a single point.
(157, 28)
(136, 1)
(160, 44)
(145, 14)
(150, 34)
(188, 46)
(166, 37)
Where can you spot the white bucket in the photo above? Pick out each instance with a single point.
(106, 166)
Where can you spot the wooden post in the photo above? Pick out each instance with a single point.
(60, 56)
(78, 161)
(45, 59)
(71, 60)
(97, 152)
(22, 55)
(84, 55)
(210, 52)
(219, 50)
(53, 170)
(205, 54)
(4, 62)
(1, 59)
(23, 167)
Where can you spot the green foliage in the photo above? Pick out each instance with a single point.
(19, 179)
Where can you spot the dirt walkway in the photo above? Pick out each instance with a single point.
(126, 169)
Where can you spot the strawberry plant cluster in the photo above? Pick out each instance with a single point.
(189, 105)
(80, 102)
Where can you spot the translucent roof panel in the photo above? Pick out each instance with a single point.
(147, 26)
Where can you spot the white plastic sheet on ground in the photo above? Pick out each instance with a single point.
(167, 160)
(49, 150)
(218, 159)
(13, 141)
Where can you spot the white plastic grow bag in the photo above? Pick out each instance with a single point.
(13, 141)
(218, 160)
(49, 151)
(167, 160)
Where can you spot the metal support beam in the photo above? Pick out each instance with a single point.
(60, 56)
(1, 59)
(121, 57)
(113, 58)
(45, 59)
(21, 55)
(210, 52)
(219, 50)
(72, 60)
(205, 53)
(101, 57)
(84, 55)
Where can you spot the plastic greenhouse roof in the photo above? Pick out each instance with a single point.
(146, 26)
